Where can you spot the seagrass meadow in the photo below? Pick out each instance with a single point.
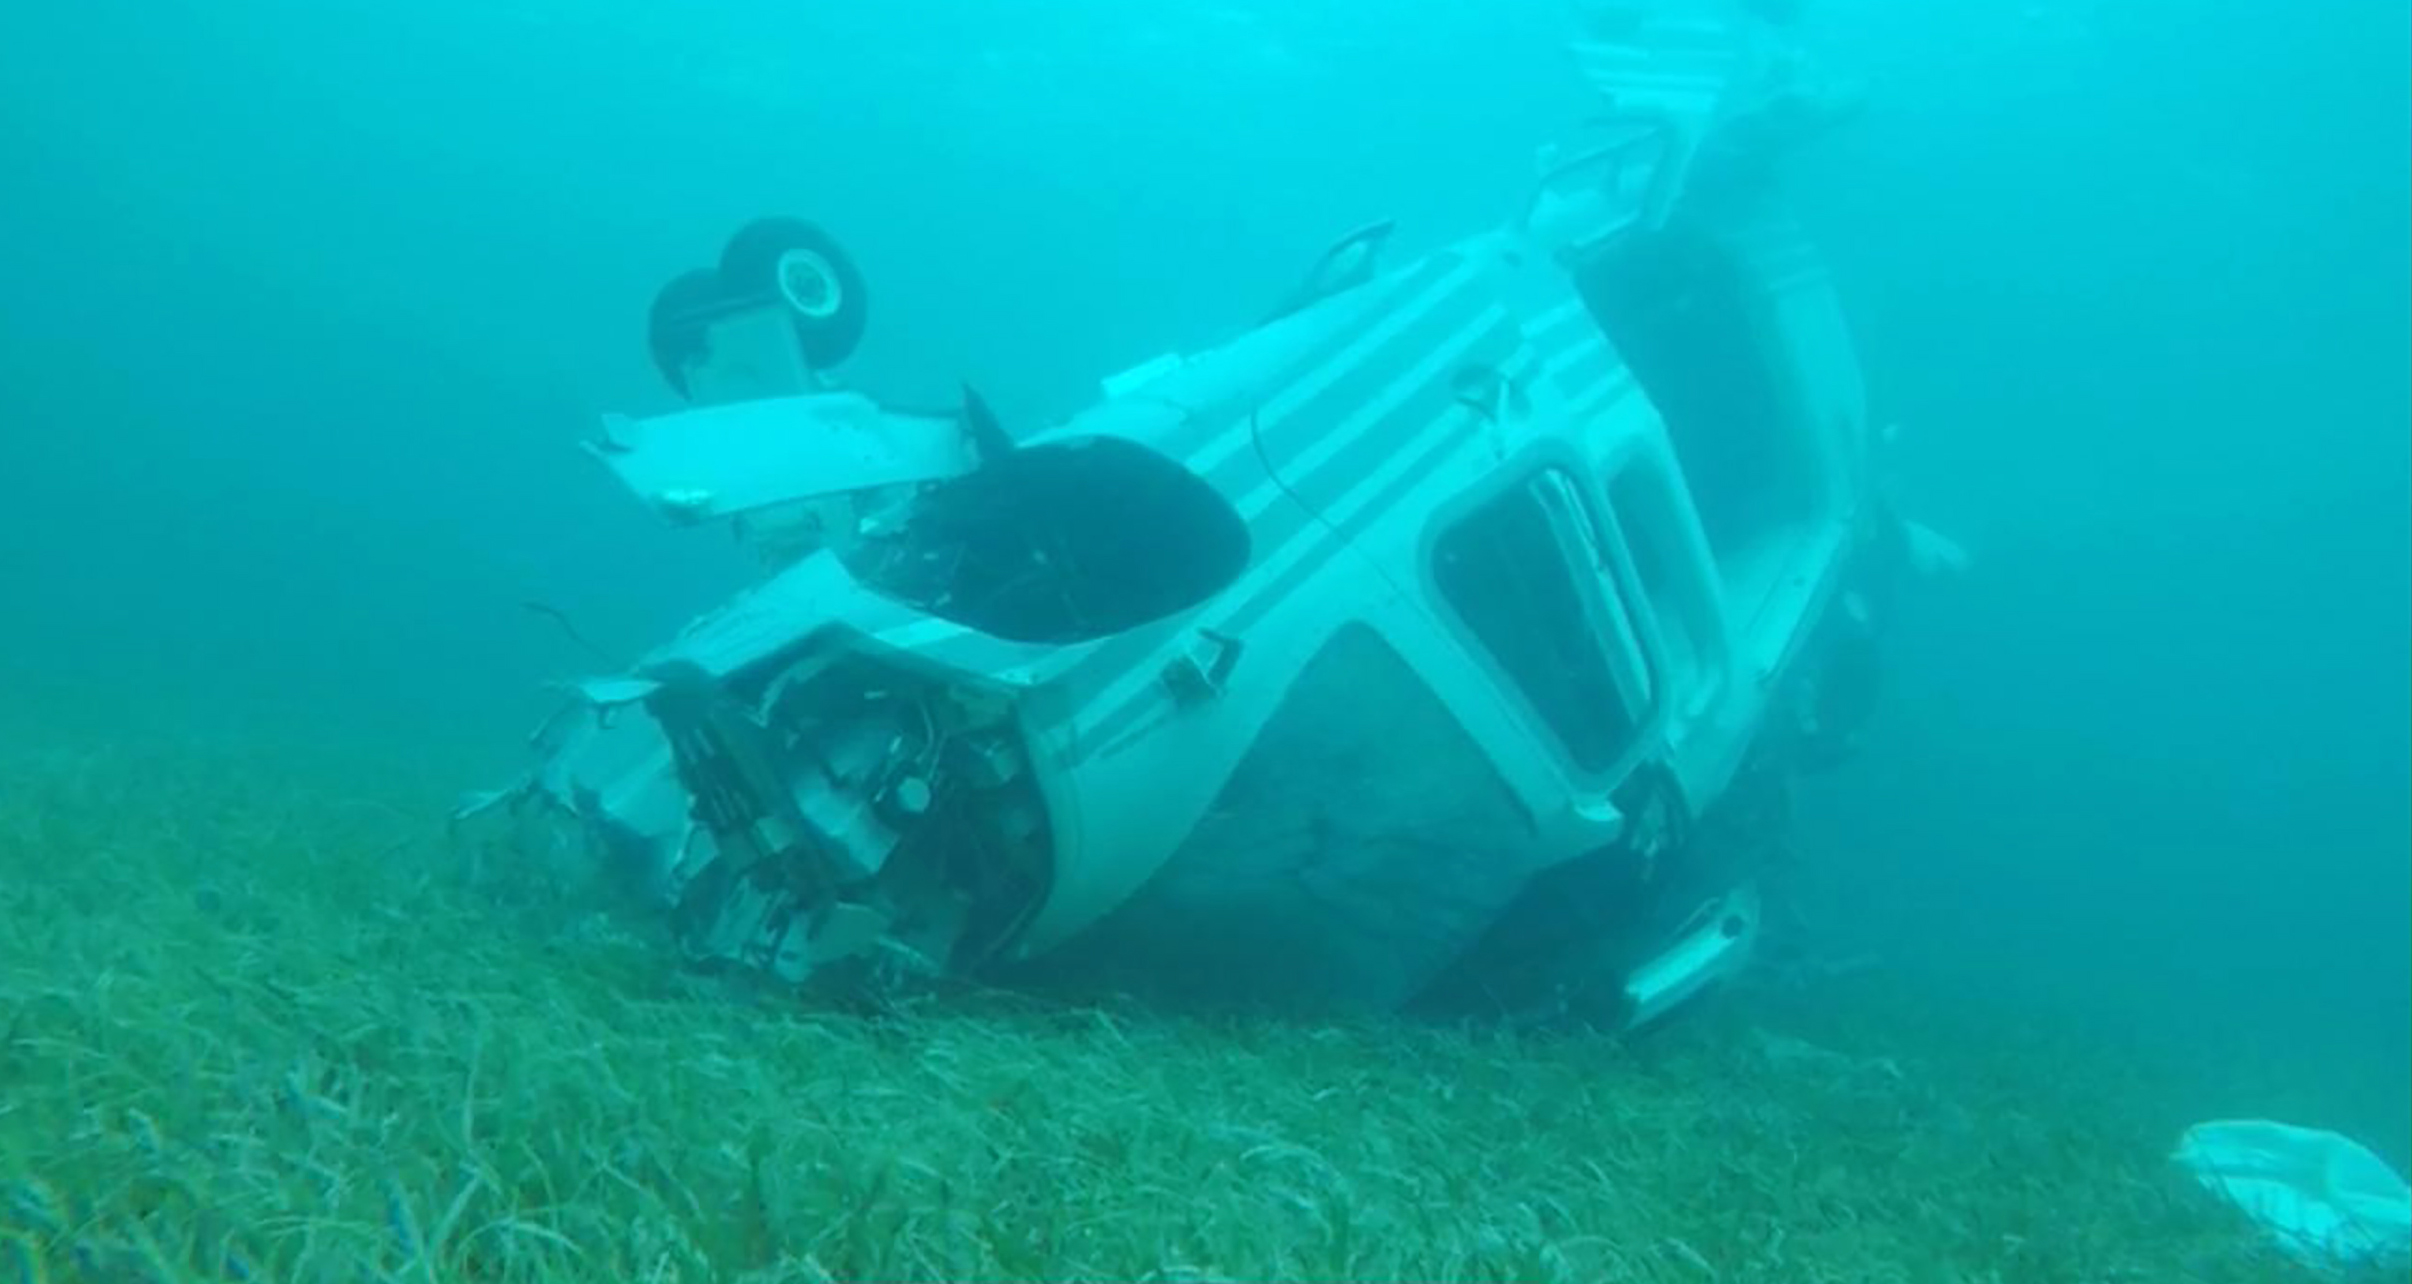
(261, 1020)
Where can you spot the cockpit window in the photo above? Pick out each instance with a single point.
(1057, 543)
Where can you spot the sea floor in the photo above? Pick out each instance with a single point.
(260, 1021)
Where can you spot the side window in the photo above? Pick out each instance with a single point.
(1524, 575)
(1647, 516)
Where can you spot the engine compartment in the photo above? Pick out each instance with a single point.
(850, 814)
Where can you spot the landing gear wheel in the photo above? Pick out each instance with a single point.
(805, 271)
(680, 324)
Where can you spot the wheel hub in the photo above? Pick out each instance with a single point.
(809, 284)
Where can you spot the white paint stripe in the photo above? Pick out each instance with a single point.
(1543, 327)
(1599, 397)
(931, 631)
(1288, 401)
(1576, 356)
(1349, 431)
(1108, 705)
(927, 631)
(1284, 404)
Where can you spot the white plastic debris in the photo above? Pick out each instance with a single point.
(2325, 1199)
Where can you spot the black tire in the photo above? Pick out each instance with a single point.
(680, 323)
(797, 265)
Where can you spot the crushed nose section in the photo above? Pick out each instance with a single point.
(850, 819)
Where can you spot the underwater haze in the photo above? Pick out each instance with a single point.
(2134, 278)
(310, 304)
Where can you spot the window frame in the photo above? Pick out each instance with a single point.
(1591, 555)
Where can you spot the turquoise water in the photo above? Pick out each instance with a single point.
(310, 304)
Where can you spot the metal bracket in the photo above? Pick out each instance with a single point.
(1204, 672)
